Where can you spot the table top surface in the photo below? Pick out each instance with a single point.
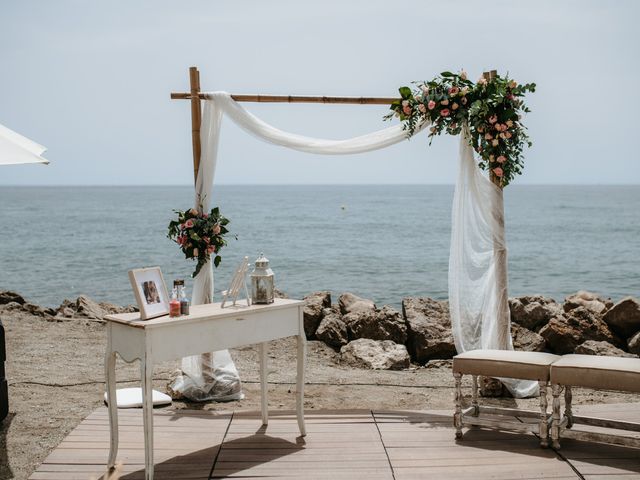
(202, 312)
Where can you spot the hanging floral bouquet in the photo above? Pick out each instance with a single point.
(492, 110)
(199, 235)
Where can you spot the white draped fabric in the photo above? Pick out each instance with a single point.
(480, 317)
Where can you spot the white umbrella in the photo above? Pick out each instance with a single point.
(14, 149)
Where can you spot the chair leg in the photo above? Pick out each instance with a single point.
(474, 396)
(457, 416)
(543, 428)
(568, 412)
(556, 390)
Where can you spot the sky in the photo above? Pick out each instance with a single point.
(91, 81)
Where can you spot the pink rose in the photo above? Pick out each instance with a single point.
(508, 135)
(513, 84)
(463, 75)
(493, 119)
(445, 112)
(206, 239)
(405, 103)
(407, 110)
(453, 90)
(193, 212)
(492, 158)
(488, 136)
(495, 142)
(188, 223)
(454, 106)
(480, 129)
(509, 123)
(425, 89)
(431, 105)
(444, 102)
(482, 81)
(501, 159)
(422, 108)
(195, 252)
(216, 229)
(205, 215)
(498, 171)
(181, 239)
(501, 135)
(498, 127)
(211, 249)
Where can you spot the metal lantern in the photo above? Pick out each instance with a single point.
(262, 281)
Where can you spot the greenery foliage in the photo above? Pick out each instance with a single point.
(491, 110)
(199, 235)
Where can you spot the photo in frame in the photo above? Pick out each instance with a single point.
(150, 292)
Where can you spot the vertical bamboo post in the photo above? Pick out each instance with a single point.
(196, 118)
(500, 255)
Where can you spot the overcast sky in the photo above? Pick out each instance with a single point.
(91, 81)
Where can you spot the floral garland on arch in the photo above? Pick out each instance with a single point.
(492, 109)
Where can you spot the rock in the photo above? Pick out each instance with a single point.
(315, 303)
(332, 330)
(591, 301)
(428, 329)
(352, 303)
(439, 364)
(384, 324)
(591, 347)
(11, 306)
(565, 332)
(491, 387)
(533, 312)
(279, 294)
(87, 308)
(634, 344)
(624, 317)
(37, 310)
(524, 339)
(374, 354)
(7, 296)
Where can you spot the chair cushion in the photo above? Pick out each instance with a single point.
(505, 363)
(597, 371)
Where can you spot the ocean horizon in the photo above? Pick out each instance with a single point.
(382, 242)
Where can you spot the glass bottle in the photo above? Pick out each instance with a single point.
(174, 303)
(184, 301)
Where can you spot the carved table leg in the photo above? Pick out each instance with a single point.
(474, 396)
(568, 397)
(544, 430)
(457, 416)
(556, 390)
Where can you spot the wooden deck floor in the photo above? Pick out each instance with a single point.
(339, 445)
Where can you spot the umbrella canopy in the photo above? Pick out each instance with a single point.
(14, 149)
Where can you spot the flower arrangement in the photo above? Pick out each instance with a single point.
(491, 109)
(199, 235)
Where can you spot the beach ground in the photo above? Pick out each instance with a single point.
(55, 374)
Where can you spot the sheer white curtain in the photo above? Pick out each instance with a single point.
(478, 315)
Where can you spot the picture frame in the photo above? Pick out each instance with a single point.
(150, 292)
(238, 282)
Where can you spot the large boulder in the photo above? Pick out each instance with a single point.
(624, 317)
(7, 296)
(591, 347)
(384, 324)
(428, 329)
(315, 303)
(591, 301)
(350, 303)
(87, 308)
(375, 354)
(565, 332)
(524, 339)
(332, 330)
(634, 344)
(534, 311)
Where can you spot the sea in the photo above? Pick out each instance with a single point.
(382, 242)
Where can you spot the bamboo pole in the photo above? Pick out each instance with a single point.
(196, 118)
(295, 99)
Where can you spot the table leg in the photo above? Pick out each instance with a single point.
(112, 402)
(146, 371)
(263, 383)
(302, 354)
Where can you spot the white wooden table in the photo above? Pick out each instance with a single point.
(208, 328)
